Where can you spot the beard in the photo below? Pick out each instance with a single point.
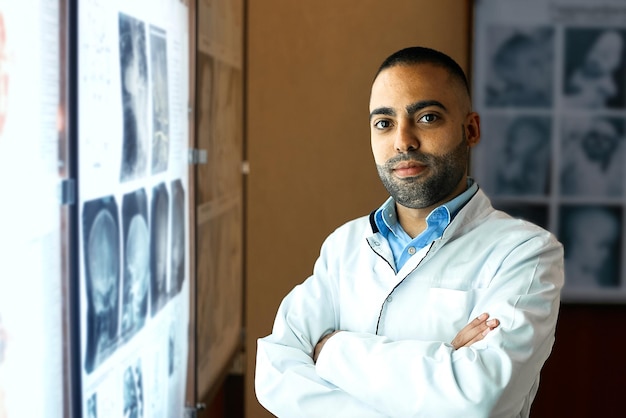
(444, 174)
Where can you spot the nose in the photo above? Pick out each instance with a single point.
(405, 139)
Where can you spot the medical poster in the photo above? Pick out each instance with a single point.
(133, 135)
(549, 80)
(31, 287)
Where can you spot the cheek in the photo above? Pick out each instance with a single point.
(381, 151)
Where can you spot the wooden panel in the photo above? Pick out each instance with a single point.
(191, 389)
(219, 191)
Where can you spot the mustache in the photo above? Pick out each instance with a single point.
(416, 156)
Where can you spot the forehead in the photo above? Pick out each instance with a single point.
(402, 84)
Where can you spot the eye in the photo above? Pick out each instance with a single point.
(382, 124)
(428, 118)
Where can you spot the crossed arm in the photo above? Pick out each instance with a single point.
(306, 368)
(473, 332)
(289, 381)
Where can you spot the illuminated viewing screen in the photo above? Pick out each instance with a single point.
(133, 83)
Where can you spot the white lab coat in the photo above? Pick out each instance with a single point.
(394, 358)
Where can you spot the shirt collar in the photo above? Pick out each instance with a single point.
(386, 217)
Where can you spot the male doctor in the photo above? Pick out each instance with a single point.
(434, 305)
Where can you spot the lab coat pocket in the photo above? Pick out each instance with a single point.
(446, 312)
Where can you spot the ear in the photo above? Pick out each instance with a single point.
(472, 129)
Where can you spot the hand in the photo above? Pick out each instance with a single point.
(320, 344)
(474, 331)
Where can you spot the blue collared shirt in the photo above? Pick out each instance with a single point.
(402, 246)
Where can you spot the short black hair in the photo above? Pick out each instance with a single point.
(422, 55)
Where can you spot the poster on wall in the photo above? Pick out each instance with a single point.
(549, 80)
(31, 296)
(133, 133)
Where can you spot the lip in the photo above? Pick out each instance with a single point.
(408, 169)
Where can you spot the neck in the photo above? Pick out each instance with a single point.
(413, 220)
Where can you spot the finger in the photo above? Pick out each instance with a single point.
(480, 323)
(467, 335)
(489, 326)
(492, 323)
(469, 338)
(475, 331)
(474, 326)
(478, 320)
(477, 337)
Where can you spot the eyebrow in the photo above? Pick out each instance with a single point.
(410, 109)
(417, 106)
(387, 111)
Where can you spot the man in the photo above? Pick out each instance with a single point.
(592, 85)
(522, 70)
(393, 321)
(591, 235)
(524, 167)
(592, 157)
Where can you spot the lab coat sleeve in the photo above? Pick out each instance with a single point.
(286, 382)
(494, 377)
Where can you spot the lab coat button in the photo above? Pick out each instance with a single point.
(389, 298)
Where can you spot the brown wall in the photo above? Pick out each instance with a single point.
(309, 70)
